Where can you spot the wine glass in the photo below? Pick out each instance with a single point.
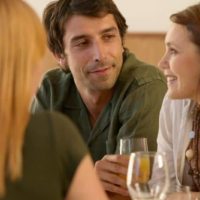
(180, 192)
(141, 177)
(128, 145)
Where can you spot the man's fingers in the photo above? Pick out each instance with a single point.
(112, 170)
(113, 179)
(116, 158)
(110, 167)
(115, 189)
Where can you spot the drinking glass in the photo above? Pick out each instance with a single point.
(128, 145)
(180, 192)
(184, 192)
(141, 169)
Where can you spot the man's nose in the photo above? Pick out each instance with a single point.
(98, 51)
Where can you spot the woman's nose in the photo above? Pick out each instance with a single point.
(163, 63)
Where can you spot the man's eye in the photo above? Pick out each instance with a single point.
(80, 43)
(108, 37)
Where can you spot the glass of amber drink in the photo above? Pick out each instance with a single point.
(141, 177)
(128, 145)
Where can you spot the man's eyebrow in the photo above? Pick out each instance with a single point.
(78, 37)
(111, 29)
(83, 36)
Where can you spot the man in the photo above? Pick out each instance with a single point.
(100, 85)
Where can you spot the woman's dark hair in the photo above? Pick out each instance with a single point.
(189, 17)
(57, 13)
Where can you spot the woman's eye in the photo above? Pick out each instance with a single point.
(172, 51)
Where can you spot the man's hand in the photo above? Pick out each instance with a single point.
(112, 170)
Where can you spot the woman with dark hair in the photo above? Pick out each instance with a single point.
(179, 131)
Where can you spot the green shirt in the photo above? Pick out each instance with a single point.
(51, 154)
(132, 111)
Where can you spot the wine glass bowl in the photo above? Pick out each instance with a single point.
(142, 182)
(129, 145)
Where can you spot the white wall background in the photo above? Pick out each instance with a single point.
(141, 15)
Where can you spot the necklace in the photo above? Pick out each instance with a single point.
(189, 152)
(193, 151)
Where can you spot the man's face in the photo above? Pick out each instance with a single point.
(93, 49)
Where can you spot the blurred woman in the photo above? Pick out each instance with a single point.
(41, 156)
(179, 133)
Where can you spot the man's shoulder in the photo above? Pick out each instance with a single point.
(140, 71)
(56, 74)
(57, 78)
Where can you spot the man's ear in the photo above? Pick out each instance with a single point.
(62, 61)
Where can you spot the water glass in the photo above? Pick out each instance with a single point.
(184, 192)
(180, 192)
(141, 169)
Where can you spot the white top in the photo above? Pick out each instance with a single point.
(175, 124)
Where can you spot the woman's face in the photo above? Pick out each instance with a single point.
(181, 64)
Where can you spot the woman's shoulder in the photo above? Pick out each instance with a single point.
(50, 118)
(177, 104)
(175, 111)
(54, 124)
(53, 142)
(57, 130)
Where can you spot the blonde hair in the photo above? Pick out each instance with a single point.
(22, 45)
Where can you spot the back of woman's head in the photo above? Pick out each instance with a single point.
(189, 17)
(22, 45)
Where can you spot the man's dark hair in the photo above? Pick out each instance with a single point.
(57, 13)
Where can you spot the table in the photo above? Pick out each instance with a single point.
(173, 196)
(178, 196)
